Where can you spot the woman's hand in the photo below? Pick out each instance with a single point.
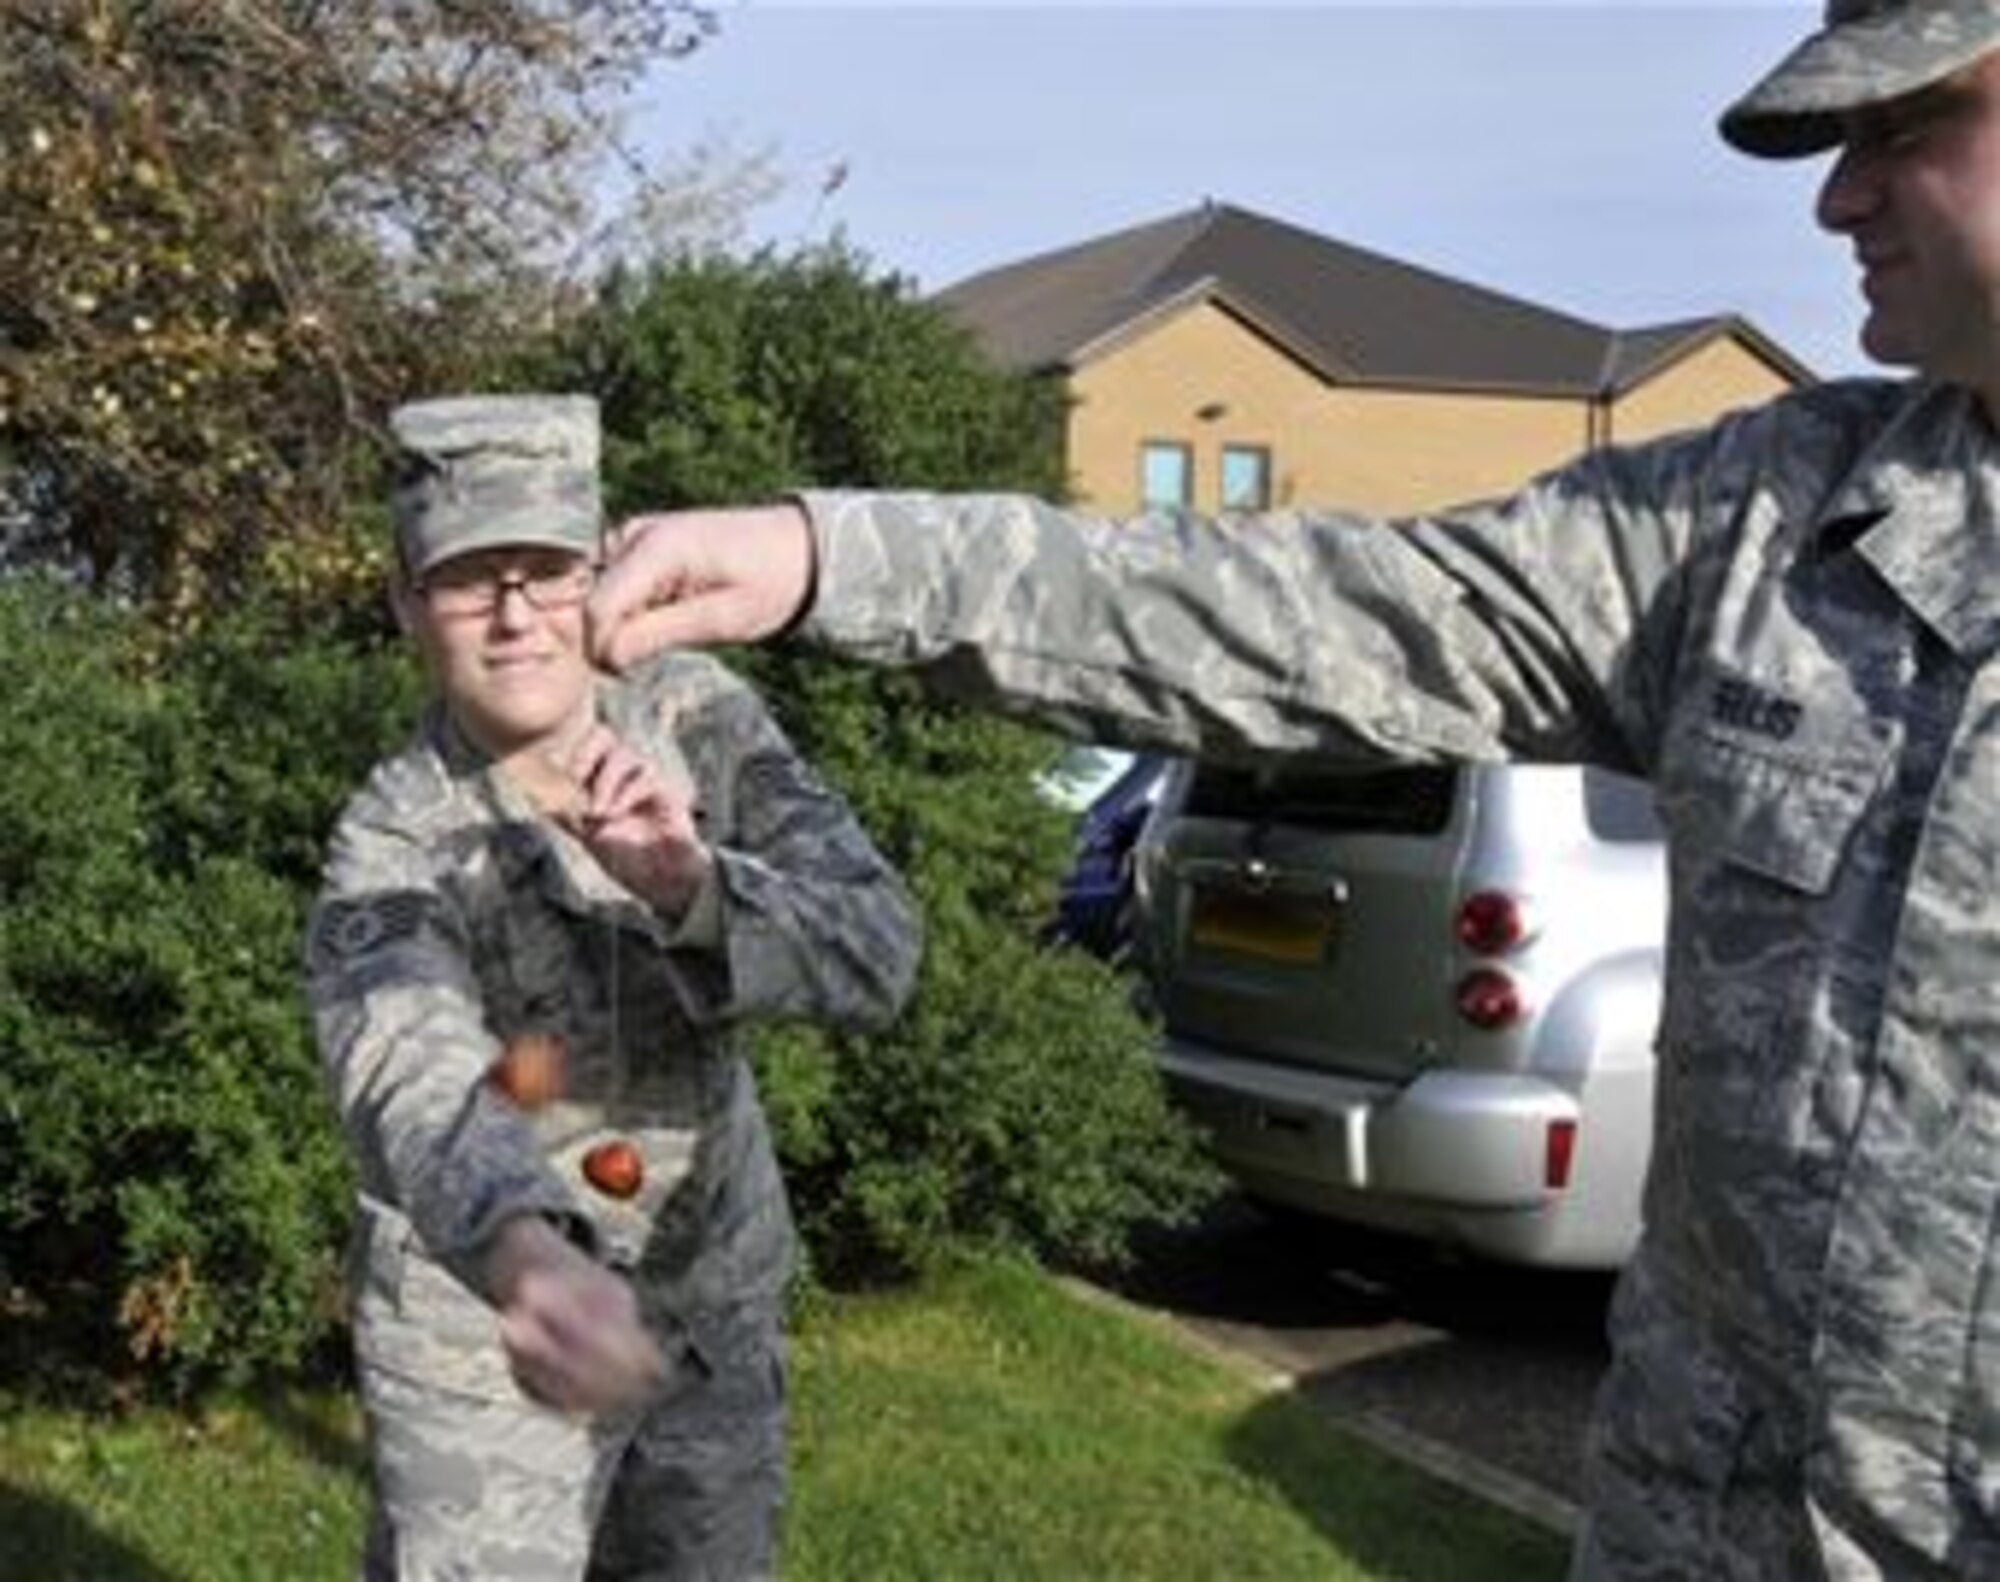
(642, 830)
(569, 1326)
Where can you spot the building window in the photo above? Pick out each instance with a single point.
(1166, 474)
(1246, 477)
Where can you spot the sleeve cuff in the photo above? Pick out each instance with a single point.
(700, 926)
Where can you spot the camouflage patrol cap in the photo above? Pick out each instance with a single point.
(1868, 51)
(478, 472)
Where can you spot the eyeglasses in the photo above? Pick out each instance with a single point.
(473, 591)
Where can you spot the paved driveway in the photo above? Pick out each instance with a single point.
(1483, 1373)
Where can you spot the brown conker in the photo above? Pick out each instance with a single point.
(614, 1168)
(530, 1069)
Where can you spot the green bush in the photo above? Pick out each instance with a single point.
(1015, 1105)
(172, 1194)
(724, 379)
(274, 728)
(1014, 1108)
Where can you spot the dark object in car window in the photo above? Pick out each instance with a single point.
(1404, 801)
(1620, 809)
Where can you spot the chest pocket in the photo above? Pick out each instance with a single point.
(1762, 785)
(1787, 820)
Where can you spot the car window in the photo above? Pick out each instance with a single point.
(1083, 773)
(1620, 809)
(1413, 801)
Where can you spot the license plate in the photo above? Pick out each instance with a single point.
(1273, 928)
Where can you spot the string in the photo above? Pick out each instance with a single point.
(560, 799)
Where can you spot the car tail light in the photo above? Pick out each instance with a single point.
(1490, 923)
(1558, 1153)
(1489, 999)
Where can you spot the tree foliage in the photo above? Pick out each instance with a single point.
(238, 229)
(722, 379)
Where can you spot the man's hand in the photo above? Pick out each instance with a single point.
(569, 1326)
(692, 578)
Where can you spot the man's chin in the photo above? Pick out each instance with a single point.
(1884, 344)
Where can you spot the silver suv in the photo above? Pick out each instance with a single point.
(1417, 999)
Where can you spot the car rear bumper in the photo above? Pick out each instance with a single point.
(1458, 1156)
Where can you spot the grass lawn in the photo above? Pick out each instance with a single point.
(988, 1425)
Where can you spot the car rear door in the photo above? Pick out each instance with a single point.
(1305, 918)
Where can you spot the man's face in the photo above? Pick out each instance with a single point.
(1917, 190)
(501, 632)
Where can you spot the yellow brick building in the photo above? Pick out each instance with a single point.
(1223, 360)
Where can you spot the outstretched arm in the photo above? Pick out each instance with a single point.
(1532, 627)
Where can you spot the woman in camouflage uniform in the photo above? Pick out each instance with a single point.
(541, 923)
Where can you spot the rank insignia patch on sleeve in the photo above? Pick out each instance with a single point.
(345, 930)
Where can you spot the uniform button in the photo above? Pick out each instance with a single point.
(615, 1168)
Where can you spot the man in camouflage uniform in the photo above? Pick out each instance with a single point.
(540, 923)
(1791, 622)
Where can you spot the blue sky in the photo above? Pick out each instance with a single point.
(1565, 153)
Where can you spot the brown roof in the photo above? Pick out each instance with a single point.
(1353, 316)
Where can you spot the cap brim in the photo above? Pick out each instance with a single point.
(1791, 134)
(1797, 110)
(526, 530)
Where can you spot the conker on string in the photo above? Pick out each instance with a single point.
(530, 1070)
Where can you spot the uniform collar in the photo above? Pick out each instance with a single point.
(461, 756)
(1925, 495)
(523, 839)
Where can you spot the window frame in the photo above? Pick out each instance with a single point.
(1184, 453)
(1261, 455)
